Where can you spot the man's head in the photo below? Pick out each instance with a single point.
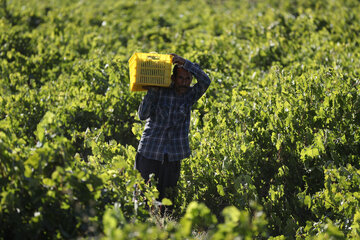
(181, 78)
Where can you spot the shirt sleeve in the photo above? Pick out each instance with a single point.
(203, 80)
(148, 104)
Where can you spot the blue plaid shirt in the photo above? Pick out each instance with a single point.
(167, 118)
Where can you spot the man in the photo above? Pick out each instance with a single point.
(164, 142)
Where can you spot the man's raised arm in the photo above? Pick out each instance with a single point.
(203, 80)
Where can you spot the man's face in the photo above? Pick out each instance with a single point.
(182, 80)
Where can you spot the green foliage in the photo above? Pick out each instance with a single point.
(197, 218)
(337, 204)
(245, 224)
(275, 140)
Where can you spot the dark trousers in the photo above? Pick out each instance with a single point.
(166, 174)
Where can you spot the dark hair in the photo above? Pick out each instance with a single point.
(175, 69)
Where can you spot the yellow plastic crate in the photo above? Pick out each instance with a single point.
(149, 69)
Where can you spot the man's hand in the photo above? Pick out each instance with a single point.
(177, 59)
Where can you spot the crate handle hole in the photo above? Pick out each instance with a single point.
(154, 57)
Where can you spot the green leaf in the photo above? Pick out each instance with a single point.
(220, 190)
(307, 201)
(166, 202)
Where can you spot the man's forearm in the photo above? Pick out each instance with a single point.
(203, 80)
(199, 74)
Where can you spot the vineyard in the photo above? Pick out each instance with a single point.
(275, 140)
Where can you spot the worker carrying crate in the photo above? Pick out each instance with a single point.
(167, 111)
